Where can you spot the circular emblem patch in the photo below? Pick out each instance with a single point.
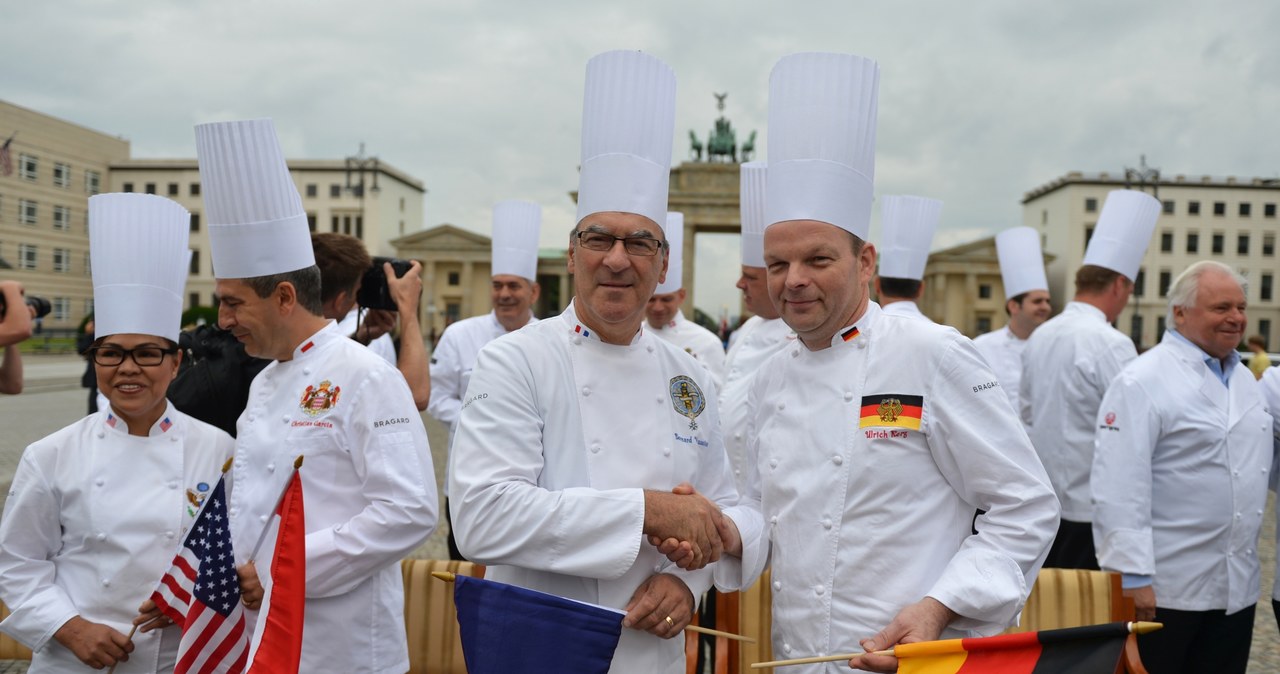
(687, 399)
(1110, 418)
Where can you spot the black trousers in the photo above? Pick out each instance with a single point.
(1073, 547)
(454, 553)
(1198, 641)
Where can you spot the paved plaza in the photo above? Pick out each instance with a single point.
(54, 399)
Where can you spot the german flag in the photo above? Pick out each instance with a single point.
(1075, 650)
(891, 409)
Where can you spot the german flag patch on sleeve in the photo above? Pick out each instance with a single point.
(891, 409)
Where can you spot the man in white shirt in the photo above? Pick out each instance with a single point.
(368, 481)
(1069, 362)
(514, 289)
(875, 437)
(664, 318)
(908, 225)
(576, 431)
(1180, 473)
(1026, 291)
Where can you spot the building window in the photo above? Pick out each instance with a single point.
(401, 204)
(1269, 210)
(455, 278)
(1090, 205)
(1193, 208)
(1264, 288)
(61, 308)
(1088, 234)
(61, 175)
(1168, 207)
(360, 227)
(1219, 208)
(61, 218)
(92, 182)
(88, 307)
(27, 211)
(195, 222)
(1218, 243)
(173, 189)
(1242, 244)
(193, 300)
(452, 312)
(335, 190)
(1193, 242)
(61, 260)
(1268, 245)
(195, 262)
(1159, 327)
(1135, 328)
(983, 325)
(311, 221)
(346, 225)
(1140, 283)
(150, 188)
(127, 187)
(311, 190)
(333, 224)
(88, 266)
(26, 256)
(194, 189)
(1166, 242)
(1264, 329)
(1044, 217)
(28, 166)
(1245, 210)
(1166, 278)
(984, 291)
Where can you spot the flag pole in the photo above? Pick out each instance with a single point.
(450, 577)
(262, 537)
(131, 633)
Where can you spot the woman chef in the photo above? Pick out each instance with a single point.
(98, 509)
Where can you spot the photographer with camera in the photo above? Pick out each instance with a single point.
(385, 289)
(15, 328)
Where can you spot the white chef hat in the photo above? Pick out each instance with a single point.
(1021, 262)
(1123, 231)
(515, 238)
(628, 120)
(751, 209)
(138, 256)
(822, 140)
(257, 226)
(674, 229)
(907, 225)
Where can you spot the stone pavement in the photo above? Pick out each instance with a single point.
(54, 399)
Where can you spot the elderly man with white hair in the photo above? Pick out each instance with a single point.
(1183, 448)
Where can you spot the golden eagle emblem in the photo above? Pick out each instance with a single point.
(889, 410)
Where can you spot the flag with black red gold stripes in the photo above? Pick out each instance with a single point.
(891, 409)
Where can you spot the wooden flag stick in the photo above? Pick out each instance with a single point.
(449, 577)
(131, 633)
(262, 537)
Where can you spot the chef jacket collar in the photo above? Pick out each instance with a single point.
(857, 333)
(163, 425)
(311, 344)
(1220, 370)
(580, 329)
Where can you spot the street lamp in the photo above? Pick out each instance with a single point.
(359, 165)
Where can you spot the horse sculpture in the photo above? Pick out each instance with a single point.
(695, 147)
(749, 147)
(721, 144)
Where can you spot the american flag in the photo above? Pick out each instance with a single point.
(201, 593)
(6, 161)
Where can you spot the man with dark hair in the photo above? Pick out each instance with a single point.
(1069, 362)
(1026, 291)
(908, 226)
(343, 261)
(367, 480)
(15, 327)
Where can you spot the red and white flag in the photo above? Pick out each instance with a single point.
(201, 593)
(280, 648)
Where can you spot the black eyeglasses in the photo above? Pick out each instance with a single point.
(646, 246)
(144, 356)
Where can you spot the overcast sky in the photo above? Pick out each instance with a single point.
(481, 100)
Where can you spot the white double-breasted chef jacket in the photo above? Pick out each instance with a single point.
(1180, 475)
(756, 340)
(1270, 384)
(559, 435)
(383, 346)
(871, 457)
(454, 358)
(368, 489)
(1003, 352)
(92, 522)
(1067, 365)
(696, 340)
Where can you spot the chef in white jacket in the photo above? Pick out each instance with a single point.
(98, 509)
(908, 224)
(1270, 384)
(575, 431)
(762, 335)
(1069, 362)
(1026, 293)
(663, 315)
(1180, 474)
(875, 437)
(367, 479)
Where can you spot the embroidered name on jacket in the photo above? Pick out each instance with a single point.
(891, 409)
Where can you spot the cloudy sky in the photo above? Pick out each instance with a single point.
(481, 100)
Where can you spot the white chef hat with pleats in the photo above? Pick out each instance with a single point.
(907, 224)
(628, 121)
(1021, 261)
(516, 225)
(257, 225)
(139, 261)
(751, 184)
(822, 140)
(1123, 231)
(674, 228)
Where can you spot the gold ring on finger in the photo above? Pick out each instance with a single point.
(670, 622)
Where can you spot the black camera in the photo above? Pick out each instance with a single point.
(374, 293)
(41, 305)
